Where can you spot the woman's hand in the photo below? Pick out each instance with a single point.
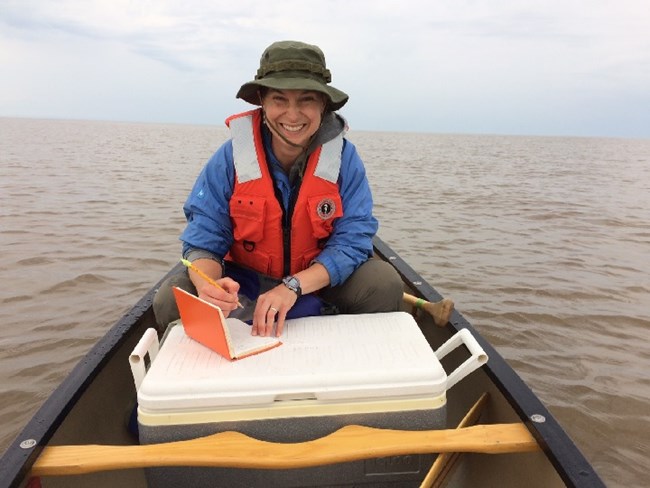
(276, 303)
(271, 306)
(225, 297)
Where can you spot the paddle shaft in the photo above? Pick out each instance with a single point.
(446, 459)
(233, 449)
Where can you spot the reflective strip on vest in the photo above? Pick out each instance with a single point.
(329, 162)
(243, 148)
(248, 168)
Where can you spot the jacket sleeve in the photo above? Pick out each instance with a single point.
(207, 207)
(350, 244)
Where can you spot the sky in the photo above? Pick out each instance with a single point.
(519, 67)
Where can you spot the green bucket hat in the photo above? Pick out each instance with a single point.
(293, 65)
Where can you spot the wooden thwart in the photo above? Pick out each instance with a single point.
(233, 449)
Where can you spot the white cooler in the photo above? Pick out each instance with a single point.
(375, 370)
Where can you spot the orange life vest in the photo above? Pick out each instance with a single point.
(261, 241)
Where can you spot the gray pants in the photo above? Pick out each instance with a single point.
(374, 287)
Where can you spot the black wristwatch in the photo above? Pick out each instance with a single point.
(293, 284)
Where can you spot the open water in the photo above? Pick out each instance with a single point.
(542, 242)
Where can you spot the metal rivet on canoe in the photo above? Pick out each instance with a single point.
(537, 418)
(28, 443)
(392, 258)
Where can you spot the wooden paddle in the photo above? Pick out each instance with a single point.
(233, 449)
(440, 311)
(445, 461)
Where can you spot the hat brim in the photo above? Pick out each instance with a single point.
(249, 91)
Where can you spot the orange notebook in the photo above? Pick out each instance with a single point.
(230, 337)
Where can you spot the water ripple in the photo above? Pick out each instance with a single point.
(541, 242)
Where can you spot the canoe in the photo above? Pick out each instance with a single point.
(90, 406)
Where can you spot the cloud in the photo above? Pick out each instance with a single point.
(441, 59)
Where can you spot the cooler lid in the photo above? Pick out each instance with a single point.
(338, 358)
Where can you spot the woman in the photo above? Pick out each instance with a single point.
(282, 213)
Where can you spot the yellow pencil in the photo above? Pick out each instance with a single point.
(205, 277)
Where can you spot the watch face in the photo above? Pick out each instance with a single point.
(292, 283)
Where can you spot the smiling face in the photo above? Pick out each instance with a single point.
(295, 114)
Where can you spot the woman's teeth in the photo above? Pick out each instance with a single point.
(292, 128)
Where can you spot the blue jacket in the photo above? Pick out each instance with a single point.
(208, 218)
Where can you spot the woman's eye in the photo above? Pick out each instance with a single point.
(308, 100)
(278, 99)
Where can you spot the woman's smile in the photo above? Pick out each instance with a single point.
(295, 114)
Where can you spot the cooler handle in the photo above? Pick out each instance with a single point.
(148, 344)
(477, 358)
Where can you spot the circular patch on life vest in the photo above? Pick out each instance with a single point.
(326, 208)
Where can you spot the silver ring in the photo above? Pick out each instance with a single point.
(274, 309)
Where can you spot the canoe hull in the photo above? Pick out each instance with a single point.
(91, 406)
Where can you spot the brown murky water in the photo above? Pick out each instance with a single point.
(543, 243)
